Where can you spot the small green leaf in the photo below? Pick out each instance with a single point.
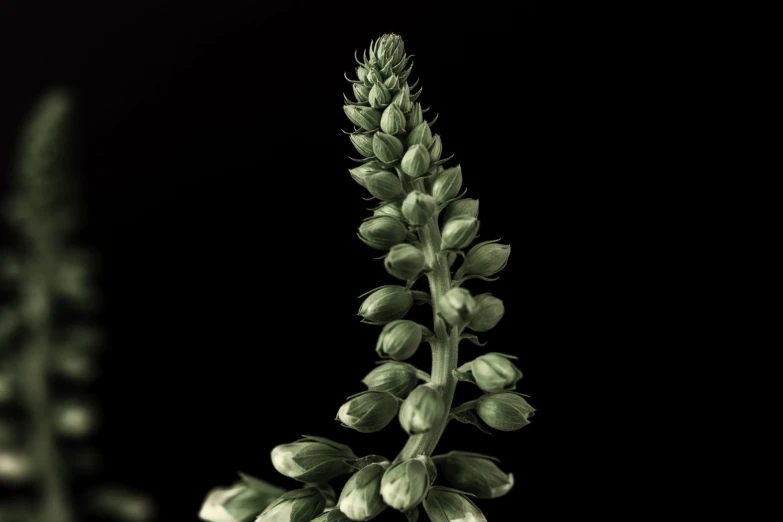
(468, 417)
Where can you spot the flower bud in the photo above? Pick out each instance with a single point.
(374, 76)
(420, 135)
(361, 73)
(461, 208)
(422, 410)
(393, 209)
(415, 117)
(361, 498)
(386, 304)
(396, 378)
(443, 505)
(457, 307)
(405, 484)
(487, 259)
(404, 261)
(386, 147)
(369, 411)
(333, 515)
(241, 502)
(299, 505)
(312, 459)
(392, 82)
(361, 92)
(418, 208)
(389, 49)
(382, 232)
(384, 185)
(379, 96)
(459, 232)
(494, 372)
(367, 118)
(505, 411)
(74, 419)
(360, 173)
(475, 473)
(416, 161)
(488, 314)
(403, 100)
(393, 120)
(399, 339)
(363, 144)
(447, 184)
(436, 148)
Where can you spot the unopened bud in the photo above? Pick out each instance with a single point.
(447, 184)
(416, 161)
(468, 208)
(405, 484)
(363, 144)
(384, 185)
(420, 135)
(487, 259)
(15, 466)
(396, 378)
(422, 410)
(369, 411)
(360, 173)
(436, 148)
(382, 232)
(457, 307)
(418, 208)
(399, 339)
(488, 314)
(367, 118)
(475, 473)
(74, 419)
(241, 502)
(361, 92)
(361, 498)
(386, 147)
(415, 117)
(374, 76)
(505, 411)
(379, 97)
(299, 505)
(386, 304)
(443, 505)
(312, 459)
(392, 82)
(403, 100)
(393, 120)
(393, 209)
(404, 261)
(333, 515)
(459, 233)
(494, 372)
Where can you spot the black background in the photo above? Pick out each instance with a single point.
(219, 201)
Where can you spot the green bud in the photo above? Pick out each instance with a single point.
(387, 304)
(299, 505)
(416, 161)
(333, 515)
(403, 100)
(443, 505)
(494, 372)
(420, 135)
(459, 232)
(415, 117)
(363, 144)
(360, 173)
(361, 92)
(389, 49)
(386, 147)
(361, 74)
(396, 378)
(393, 121)
(399, 339)
(418, 208)
(382, 232)
(392, 82)
(367, 118)
(457, 307)
(404, 261)
(476, 474)
(374, 76)
(467, 207)
(422, 410)
(361, 498)
(488, 314)
(312, 459)
(505, 411)
(241, 502)
(369, 411)
(447, 184)
(379, 97)
(405, 484)
(384, 185)
(393, 209)
(487, 259)
(436, 148)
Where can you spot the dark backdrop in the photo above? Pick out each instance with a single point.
(219, 200)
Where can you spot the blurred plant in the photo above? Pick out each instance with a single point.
(48, 343)
(424, 225)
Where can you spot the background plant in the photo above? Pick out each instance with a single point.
(424, 225)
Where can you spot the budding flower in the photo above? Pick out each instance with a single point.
(447, 184)
(488, 314)
(396, 378)
(361, 498)
(416, 161)
(363, 144)
(443, 505)
(494, 372)
(333, 515)
(487, 259)
(383, 185)
(374, 76)
(459, 232)
(415, 117)
(393, 209)
(369, 411)
(505, 411)
(361, 91)
(475, 473)
(436, 148)
(382, 232)
(405, 484)
(379, 97)
(418, 208)
(312, 459)
(393, 120)
(367, 118)
(299, 505)
(422, 410)
(457, 307)
(420, 135)
(399, 339)
(386, 147)
(404, 261)
(386, 304)
(468, 208)
(403, 100)
(241, 502)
